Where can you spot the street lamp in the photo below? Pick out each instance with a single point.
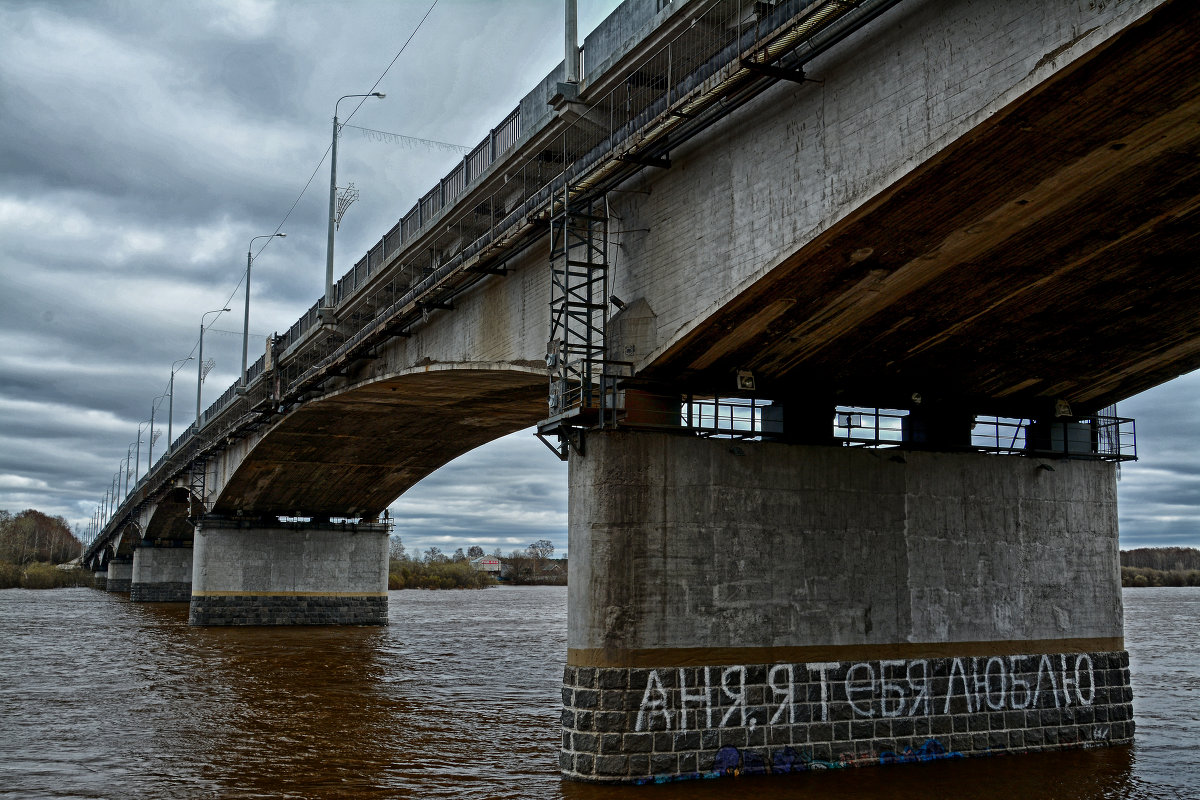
(333, 199)
(200, 371)
(246, 319)
(128, 456)
(171, 399)
(137, 457)
(150, 448)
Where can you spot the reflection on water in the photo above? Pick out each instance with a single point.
(459, 697)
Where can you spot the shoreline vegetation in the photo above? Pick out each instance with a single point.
(31, 544)
(1160, 566)
(534, 565)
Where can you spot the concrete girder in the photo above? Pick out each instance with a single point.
(355, 450)
(1023, 234)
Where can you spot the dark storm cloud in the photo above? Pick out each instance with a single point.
(1159, 495)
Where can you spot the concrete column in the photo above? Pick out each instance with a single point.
(120, 572)
(289, 574)
(161, 575)
(101, 579)
(760, 607)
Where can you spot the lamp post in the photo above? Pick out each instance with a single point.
(138, 455)
(200, 363)
(171, 399)
(128, 457)
(333, 198)
(150, 447)
(246, 318)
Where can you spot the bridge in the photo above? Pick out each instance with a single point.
(828, 304)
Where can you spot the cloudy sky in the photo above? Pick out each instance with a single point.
(143, 144)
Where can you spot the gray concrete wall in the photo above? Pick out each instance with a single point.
(289, 574)
(161, 575)
(683, 543)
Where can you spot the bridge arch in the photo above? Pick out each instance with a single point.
(170, 518)
(358, 448)
(99, 560)
(129, 537)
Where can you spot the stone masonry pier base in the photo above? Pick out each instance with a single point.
(741, 607)
(289, 574)
(120, 571)
(161, 575)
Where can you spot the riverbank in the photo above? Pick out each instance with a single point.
(447, 575)
(42, 575)
(1140, 577)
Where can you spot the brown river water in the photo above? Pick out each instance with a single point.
(458, 697)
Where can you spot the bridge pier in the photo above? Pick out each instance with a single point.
(285, 573)
(100, 577)
(745, 607)
(120, 574)
(161, 574)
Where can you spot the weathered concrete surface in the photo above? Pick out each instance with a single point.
(684, 547)
(161, 575)
(120, 574)
(289, 574)
(993, 202)
(691, 552)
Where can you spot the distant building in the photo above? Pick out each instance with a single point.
(486, 564)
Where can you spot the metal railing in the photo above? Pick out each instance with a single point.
(1096, 437)
(730, 417)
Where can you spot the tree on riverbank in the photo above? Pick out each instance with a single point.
(434, 571)
(33, 536)
(31, 543)
(1160, 566)
(536, 565)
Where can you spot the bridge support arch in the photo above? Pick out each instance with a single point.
(755, 606)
